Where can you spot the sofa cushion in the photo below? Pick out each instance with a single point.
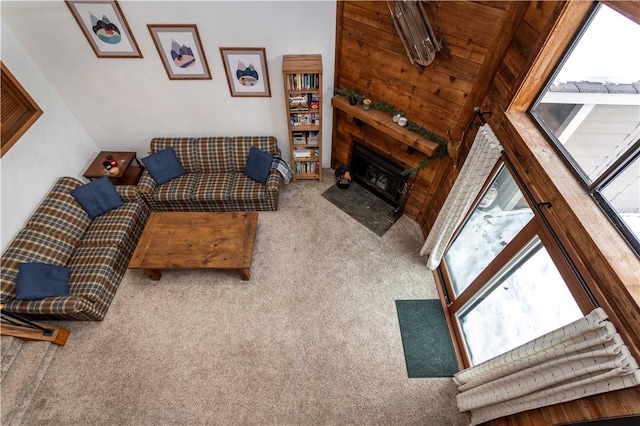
(36, 281)
(164, 165)
(185, 149)
(178, 189)
(243, 188)
(97, 197)
(120, 228)
(211, 186)
(96, 274)
(258, 165)
(214, 154)
(59, 212)
(32, 245)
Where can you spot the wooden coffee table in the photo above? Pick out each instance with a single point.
(195, 240)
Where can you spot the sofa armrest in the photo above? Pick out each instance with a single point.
(129, 193)
(274, 180)
(68, 307)
(146, 186)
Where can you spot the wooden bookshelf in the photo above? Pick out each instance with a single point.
(302, 76)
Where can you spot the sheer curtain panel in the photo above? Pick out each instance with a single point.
(483, 155)
(583, 358)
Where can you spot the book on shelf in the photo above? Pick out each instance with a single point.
(310, 119)
(314, 103)
(307, 167)
(299, 102)
(300, 81)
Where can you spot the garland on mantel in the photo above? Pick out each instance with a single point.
(382, 106)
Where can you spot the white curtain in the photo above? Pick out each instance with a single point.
(483, 155)
(583, 358)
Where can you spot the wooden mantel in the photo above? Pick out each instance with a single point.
(382, 122)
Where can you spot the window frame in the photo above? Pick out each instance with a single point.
(589, 237)
(21, 122)
(593, 188)
(574, 274)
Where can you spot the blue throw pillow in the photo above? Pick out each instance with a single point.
(258, 165)
(97, 197)
(164, 165)
(36, 281)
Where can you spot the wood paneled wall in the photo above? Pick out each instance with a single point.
(538, 41)
(501, 54)
(371, 60)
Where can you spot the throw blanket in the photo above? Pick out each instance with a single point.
(284, 169)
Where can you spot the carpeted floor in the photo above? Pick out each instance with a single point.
(311, 339)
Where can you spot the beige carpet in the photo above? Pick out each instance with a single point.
(312, 338)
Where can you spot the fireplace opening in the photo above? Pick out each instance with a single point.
(377, 174)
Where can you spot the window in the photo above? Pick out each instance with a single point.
(505, 275)
(19, 111)
(498, 218)
(590, 109)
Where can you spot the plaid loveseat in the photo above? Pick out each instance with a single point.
(97, 251)
(215, 179)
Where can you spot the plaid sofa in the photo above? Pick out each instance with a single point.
(215, 179)
(97, 251)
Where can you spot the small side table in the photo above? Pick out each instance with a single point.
(129, 173)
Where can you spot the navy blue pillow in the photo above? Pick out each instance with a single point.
(258, 165)
(36, 281)
(97, 197)
(164, 165)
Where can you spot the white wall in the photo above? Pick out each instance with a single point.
(56, 145)
(123, 103)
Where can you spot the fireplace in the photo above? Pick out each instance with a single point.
(377, 174)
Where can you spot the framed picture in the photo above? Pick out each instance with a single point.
(246, 70)
(105, 28)
(181, 51)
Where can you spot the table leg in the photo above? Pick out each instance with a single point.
(245, 274)
(154, 274)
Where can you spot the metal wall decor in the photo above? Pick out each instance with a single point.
(420, 38)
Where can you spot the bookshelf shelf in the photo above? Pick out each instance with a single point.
(302, 75)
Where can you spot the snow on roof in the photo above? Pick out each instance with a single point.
(596, 87)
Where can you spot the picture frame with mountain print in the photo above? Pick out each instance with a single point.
(181, 51)
(105, 28)
(246, 70)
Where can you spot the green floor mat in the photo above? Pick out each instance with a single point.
(428, 351)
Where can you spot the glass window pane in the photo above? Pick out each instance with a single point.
(623, 193)
(593, 106)
(500, 215)
(527, 299)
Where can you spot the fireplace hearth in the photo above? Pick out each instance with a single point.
(377, 174)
